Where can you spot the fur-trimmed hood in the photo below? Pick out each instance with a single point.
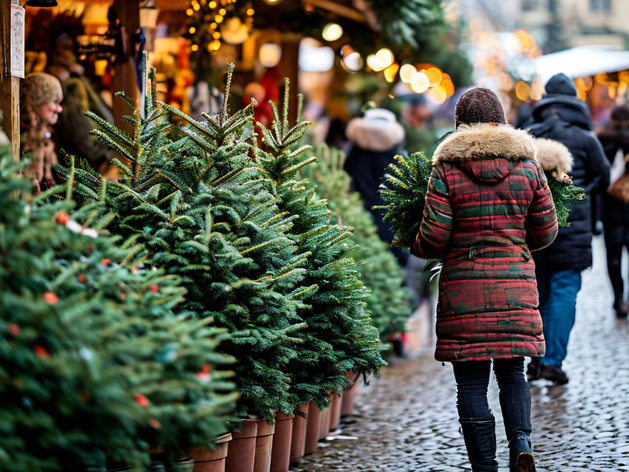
(554, 157)
(484, 141)
(378, 131)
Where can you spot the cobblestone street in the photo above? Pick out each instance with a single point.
(407, 420)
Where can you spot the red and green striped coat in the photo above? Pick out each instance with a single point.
(488, 206)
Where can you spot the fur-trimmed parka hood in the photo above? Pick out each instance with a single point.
(554, 157)
(486, 151)
(377, 131)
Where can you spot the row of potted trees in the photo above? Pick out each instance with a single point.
(253, 262)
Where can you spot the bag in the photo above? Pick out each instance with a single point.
(620, 187)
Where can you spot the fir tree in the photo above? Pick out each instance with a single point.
(389, 303)
(339, 336)
(201, 210)
(95, 364)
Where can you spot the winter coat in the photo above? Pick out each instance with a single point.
(566, 119)
(488, 206)
(376, 141)
(614, 212)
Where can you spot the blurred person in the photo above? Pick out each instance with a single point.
(376, 138)
(614, 212)
(74, 128)
(488, 205)
(562, 117)
(40, 99)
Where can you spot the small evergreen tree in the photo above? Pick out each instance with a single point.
(339, 336)
(201, 210)
(94, 362)
(389, 303)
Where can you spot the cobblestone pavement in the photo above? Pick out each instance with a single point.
(407, 421)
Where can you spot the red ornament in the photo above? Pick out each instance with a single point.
(62, 218)
(41, 352)
(123, 295)
(105, 261)
(142, 400)
(14, 329)
(50, 298)
(153, 423)
(81, 278)
(154, 288)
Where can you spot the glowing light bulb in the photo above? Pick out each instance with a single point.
(407, 71)
(332, 32)
(420, 82)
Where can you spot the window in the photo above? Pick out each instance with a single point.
(600, 5)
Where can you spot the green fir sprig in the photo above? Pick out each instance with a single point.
(563, 194)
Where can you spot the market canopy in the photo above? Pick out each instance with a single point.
(582, 61)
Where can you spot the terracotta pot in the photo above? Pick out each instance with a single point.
(335, 412)
(325, 421)
(211, 460)
(298, 440)
(280, 455)
(242, 449)
(313, 429)
(264, 446)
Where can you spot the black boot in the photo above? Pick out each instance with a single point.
(520, 456)
(480, 441)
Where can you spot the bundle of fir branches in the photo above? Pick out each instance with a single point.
(200, 209)
(389, 302)
(96, 367)
(404, 188)
(339, 337)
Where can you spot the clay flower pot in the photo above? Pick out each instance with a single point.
(242, 449)
(264, 445)
(298, 440)
(208, 460)
(313, 429)
(349, 394)
(325, 421)
(335, 412)
(280, 455)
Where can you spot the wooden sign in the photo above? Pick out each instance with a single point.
(18, 18)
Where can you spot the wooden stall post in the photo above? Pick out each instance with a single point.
(124, 77)
(9, 86)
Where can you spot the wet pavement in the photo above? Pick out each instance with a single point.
(407, 420)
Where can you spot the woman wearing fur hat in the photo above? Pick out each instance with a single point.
(376, 138)
(41, 97)
(487, 207)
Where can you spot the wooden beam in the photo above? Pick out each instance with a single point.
(9, 86)
(338, 9)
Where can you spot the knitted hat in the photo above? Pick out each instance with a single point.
(479, 105)
(40, 88)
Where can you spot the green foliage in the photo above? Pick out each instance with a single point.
(95, 364)
(564, 193)
(339, 336)
(200, 209)
(388, 303)
(404, 189)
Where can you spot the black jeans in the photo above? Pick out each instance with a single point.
(616, 238)
(477, 421)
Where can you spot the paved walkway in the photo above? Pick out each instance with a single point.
(407, 420)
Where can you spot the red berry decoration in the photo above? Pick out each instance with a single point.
(14, 329)
(81, 278)
(123, 295)
(206, 368)
(142, 400)
(41, 352)
(154, 288)
(105, 262)
(50, 298)
(62, 218)
(153, 423)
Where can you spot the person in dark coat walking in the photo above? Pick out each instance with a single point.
(615, 213)
(562, 117)
(487, 207)
(376, 138)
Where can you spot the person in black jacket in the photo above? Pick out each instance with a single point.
(376, 138)
(562, 117)
(615, 214)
